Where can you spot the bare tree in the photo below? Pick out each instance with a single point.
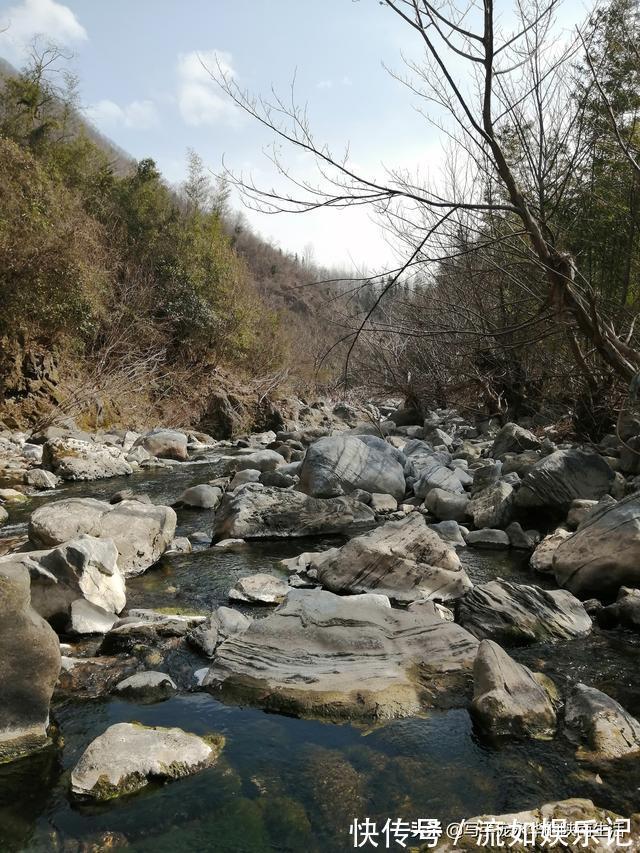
(516, 138)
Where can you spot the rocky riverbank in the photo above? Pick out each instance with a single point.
(388, 623)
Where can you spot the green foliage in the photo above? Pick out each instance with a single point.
(52, 276)
(114, 262)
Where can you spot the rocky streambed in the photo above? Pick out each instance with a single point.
(254, 643)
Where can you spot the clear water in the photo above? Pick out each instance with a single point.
(284, 784)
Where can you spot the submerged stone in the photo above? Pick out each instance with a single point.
(127, 756)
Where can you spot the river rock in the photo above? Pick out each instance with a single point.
(86, 618)
(74, 459)
(493, 506)
(578, 512)
(598, 725)
(518, 614)
(264, 512)
(141, 532)
(604, 553)
(29, 667)
(147, 686)
(564, 476)
(404, 560)
(84, 569)
(434, 475)
(451, 532)
(259, 589)
(507, 697)
(201, 497)
(40, 479)
(165, 444)
(147, 627)
(513, 439)
(628, 608)
(542, 558)
(241, 478)
(127, 756)
(337, 465)
(258, 460)
(496, 540)
(519, 538)
(447, 506)
(4, 515)
(326, 655)
(223, 622)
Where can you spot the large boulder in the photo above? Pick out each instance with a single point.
(604, 553)
(509, 699)
(405, 560)
(513, 439)
(127, 756)
(86, 568)
(29, 667)
(141, 532)
(598, 725)
(337, 465)
(493, 506)
(265, 512)
(518, 614)
(165, 444)
(326, 655)
(557, 480)
(75, 459)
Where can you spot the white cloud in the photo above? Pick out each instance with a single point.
(138, 115)
(23, 22)
(200, 100)
(324, 84)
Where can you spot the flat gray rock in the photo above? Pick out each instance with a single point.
(343, 657)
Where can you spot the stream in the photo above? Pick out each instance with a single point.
(285, 784)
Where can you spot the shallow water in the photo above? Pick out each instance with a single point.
(291, 785)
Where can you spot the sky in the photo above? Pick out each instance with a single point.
(143, 84)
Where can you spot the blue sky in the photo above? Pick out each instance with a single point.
(143, 85)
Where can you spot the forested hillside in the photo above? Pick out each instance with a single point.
(122, 293)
